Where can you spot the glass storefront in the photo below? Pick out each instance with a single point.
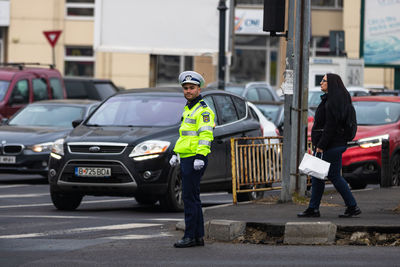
(255, 59)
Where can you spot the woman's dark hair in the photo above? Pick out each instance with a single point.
(338, 96)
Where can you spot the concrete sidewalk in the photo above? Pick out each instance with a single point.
(380, 212)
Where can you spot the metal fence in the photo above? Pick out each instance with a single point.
(256, 164)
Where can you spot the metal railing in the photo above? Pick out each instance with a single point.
(256, 164)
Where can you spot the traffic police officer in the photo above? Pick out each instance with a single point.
(192, 148)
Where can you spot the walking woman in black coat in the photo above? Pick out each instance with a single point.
(327, 137)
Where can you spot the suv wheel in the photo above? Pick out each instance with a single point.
(65, 201)
(396, 169)
(172, 201)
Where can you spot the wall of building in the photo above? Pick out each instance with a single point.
(125, 69)
(323, 21)
(26, 42)
(28, 20)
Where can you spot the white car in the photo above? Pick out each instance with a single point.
(314, 94)
(268, 127)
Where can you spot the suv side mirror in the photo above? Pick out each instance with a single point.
(76, 123)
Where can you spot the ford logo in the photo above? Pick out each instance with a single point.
(94, 149)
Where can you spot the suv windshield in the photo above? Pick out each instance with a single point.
(376, 113)
(139, 110)
(3, 88)
(48, 116)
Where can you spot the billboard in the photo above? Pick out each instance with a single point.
(381, 43)
(173, 27)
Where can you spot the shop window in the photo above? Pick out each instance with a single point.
(79, 9)
(320, 46)
(79, 61)
(165, 69)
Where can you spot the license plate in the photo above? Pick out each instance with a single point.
(92, 172)
(7, 159)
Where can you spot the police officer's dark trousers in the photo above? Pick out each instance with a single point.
(194, 224)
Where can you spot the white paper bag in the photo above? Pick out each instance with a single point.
(314, 166)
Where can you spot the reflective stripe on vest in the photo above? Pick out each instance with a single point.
(194, 111)
(204, 142)
(186, 133)
(205, 128)
(189, 120)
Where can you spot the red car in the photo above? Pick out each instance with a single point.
(378, 119)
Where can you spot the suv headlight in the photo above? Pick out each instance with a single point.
(149, 149)
(372, 141)
(43, 147)
(57, 149)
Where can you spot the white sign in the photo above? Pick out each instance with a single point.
(382, 32)
(249, 21)
(173, 27)
(287, 85)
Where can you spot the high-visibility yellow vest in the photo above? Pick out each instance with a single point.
(196, 131)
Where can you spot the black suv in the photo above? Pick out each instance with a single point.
(89, 88)
(124, 147)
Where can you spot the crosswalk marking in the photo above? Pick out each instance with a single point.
(14, 185)
(49, 204)
(135, 237)
(23, 195)
(47, 216)
(82, 230)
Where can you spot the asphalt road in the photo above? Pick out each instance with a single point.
(107, 231)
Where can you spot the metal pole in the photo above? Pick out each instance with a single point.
(386, 179)
(287, 133)
(54, 56)
(303, 92)
(221, 55)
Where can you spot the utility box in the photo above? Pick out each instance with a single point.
(350, 70)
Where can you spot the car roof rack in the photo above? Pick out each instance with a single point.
(21, 65)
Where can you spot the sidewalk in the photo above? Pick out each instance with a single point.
(380, 212)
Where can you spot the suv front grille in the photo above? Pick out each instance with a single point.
(100, 148)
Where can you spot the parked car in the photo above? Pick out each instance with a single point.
(274, 112)
(124, 147)
(384, 92)
(26, 138)
(89, 88)
(314, 95)
(378, 119)
(21, 84)
(253, 91)
(267, 126)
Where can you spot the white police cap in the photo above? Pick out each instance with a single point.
(191, 77)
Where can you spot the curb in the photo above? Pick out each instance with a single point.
(291, 233)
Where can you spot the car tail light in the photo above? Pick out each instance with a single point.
(277, 131)
(262, 130)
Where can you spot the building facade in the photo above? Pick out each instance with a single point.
(253, 55)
